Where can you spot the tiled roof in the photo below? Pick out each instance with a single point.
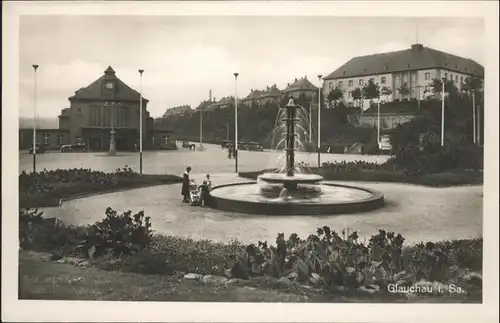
(94, 91)
(417, 57)
(271, 91)
(253, 95)
(300, 85)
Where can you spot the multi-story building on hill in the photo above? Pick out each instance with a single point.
(270, 95)
(407, 73)
(301, 86)
(180, 110)
(252, 97)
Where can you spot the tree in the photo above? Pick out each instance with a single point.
(385, 90)
(357, 94)
(334, 96)
(371, 90)
(404, 90)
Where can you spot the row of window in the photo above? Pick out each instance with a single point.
(46, 139)
(397, 79)
(60, 139)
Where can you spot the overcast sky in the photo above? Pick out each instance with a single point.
(186, 56)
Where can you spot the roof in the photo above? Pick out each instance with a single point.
(417, 57)
(94, 91)
(253, 94)
(301, 85)
(271, 91)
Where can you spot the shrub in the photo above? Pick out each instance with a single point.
(117, 234)
(330, 259)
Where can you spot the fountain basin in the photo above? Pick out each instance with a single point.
(336, 199)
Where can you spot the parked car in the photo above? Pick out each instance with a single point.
(40, 149)
(385, 146)
(255, 146)
(80, 147)
(186, 144)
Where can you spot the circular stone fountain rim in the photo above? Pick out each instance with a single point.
(376, 200)
(282, 177)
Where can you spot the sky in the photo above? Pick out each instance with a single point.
(186, 56)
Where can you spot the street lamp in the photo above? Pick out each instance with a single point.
(474, 136)
(319, 120)
(35, 67)
(378, 113)
(236, 121)
(442, 111)
(140, 125)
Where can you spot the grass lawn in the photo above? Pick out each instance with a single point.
(40, 279)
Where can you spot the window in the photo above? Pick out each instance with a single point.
(451, 77)
(405, 78)
(165, 139)
(351, 83)
(330, 85)
(427, 76)
(445, 75)
(456, 78)
(153, 140)
(361, 82)
(372, 80)
(46, 138)
(396, 78)
(383, 80)
(60, 140)
(412, 91)
(461, 79)
(341, 84)
(413, 76)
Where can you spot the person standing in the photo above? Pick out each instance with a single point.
(185, 185)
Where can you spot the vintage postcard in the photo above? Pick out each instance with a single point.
(250, 161)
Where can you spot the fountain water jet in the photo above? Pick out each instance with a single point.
(291, 193)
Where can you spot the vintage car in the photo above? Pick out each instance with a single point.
(80, 147)
(40, 149)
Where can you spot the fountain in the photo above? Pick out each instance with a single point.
(289, 192)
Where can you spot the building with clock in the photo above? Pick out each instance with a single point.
(106, 105)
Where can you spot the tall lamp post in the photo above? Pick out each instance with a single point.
(140, 125)
(474, 133)
(236, 121)
(319, 120)
(378, 113)
(442, 111)
(35, 67)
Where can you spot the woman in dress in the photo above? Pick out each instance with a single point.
(185, 185)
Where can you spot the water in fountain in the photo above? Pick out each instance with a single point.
(289, 190)
(288, 183)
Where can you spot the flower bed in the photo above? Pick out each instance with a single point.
(372, 172)
(326, 259)
(46, 188)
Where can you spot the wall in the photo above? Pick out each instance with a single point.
(156, 140)
(56, 138)
(81, 116)
(329, 85)
(387, 121)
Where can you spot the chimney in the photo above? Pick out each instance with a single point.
(210, 95)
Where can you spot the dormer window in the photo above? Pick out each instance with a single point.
(364, 69)
(344, 73)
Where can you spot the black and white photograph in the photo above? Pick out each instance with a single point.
(223, 156)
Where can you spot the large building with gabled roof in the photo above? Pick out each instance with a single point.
(110, 104)
(415, 68)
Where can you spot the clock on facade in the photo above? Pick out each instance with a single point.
(109, 85)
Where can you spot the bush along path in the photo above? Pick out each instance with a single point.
(326, 263)
(47, 188)
(387, 172)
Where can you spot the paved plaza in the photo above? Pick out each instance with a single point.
(419, 213)
(213, 159)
